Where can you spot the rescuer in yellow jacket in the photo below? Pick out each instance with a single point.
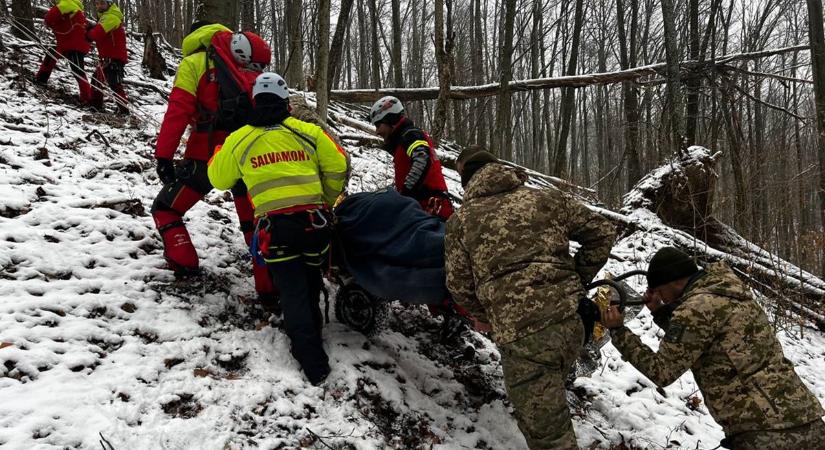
(293, 171)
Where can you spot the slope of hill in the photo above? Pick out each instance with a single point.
(98, 341)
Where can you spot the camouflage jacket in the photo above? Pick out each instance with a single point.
(508, 252)
(721, 333)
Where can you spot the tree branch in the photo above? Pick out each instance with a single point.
(492, 89)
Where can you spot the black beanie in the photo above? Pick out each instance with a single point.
(669, 264)
(473, 163)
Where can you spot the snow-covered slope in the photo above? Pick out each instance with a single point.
(99, 341)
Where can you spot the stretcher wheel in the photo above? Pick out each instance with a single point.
(358, 309)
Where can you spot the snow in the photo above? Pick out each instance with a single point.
(97, 338)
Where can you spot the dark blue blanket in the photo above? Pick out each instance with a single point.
(392, 247)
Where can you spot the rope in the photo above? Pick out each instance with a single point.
(133, 108)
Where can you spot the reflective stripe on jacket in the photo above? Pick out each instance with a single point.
(286, 166)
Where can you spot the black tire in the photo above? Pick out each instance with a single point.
(359, 310)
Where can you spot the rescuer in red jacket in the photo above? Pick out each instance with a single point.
(68, 22)
(109, 35)
(212, 104)
(417, 168)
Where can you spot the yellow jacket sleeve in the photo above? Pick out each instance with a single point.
(224, 171)
(333, 166)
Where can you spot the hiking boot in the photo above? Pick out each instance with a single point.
(40, 79)
(270, 302)
(183, 273)
(317, 380)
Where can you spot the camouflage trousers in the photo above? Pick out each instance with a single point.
(808, 436)
(535, 368)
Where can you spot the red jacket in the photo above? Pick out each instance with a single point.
(195, 95)
(405, 136)
(109, 35)
(431, 190)
(69, 29)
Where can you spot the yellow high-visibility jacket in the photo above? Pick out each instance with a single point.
(285, 167)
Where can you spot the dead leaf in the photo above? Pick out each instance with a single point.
(5, 344)
(202, 373)
(694, 402)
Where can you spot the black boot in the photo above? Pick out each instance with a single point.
(270, 302)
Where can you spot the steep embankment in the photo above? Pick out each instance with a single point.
(97, 337)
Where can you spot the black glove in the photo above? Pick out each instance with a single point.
(166, 171)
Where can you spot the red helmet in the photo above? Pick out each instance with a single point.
(250, 51)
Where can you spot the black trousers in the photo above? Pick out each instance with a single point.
(297, 250)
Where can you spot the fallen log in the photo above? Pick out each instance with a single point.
(688, 69)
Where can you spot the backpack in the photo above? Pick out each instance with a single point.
(235, 106)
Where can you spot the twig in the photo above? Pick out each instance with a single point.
(163, 93)
(104, 443)
(601, 432)
(768, 75)
(319, 438)
(99, 135)
(769, 105)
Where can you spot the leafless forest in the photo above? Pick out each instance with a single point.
(594, 91)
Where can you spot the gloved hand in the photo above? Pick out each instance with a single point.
(166, 171)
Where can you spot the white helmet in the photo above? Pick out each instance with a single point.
(241, 49)
(385, 105)
(270, 83)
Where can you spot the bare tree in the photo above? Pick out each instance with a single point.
(22, 23)
(248, 15)
(443, 54)
(504, 132)
(376, 55)
(630, 93)
(217, 11)
(322, 66)
(673, 104)
(295, 63)
(336, 50)
(398, 77)
(568, 107)
(817, 39)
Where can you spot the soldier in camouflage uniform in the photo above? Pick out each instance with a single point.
(715, 328)
(509, 264)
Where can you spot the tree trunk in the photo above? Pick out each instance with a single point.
(363, 60)
(817, 39)
(219, 11)
(672, 104)
(398, 75)
(322, 66)
(443, 53)
(478, 75)
(336, 49)
(295, 63)
(152, 58)
(693, 83)
(376, 55)
(248, 16)
(22, 23)
(630, 93)
(568, 96)
(504, 132)
(535, 97)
